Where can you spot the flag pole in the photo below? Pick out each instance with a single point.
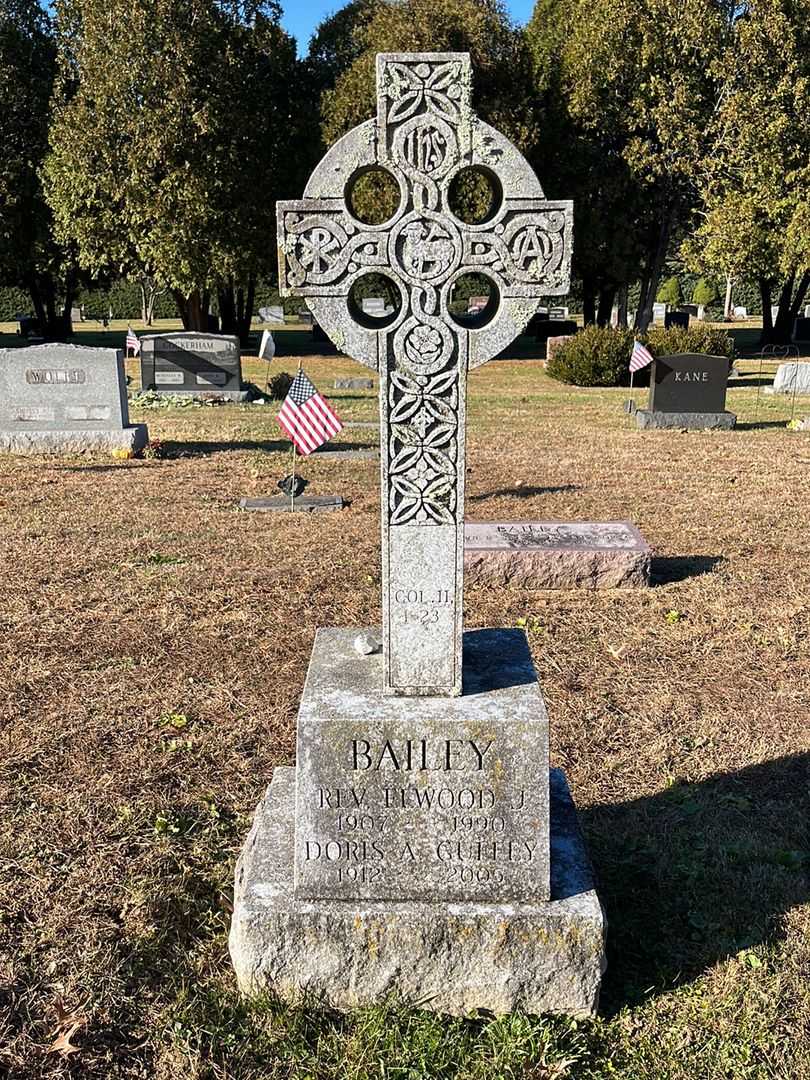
(632, 399)
(292, 485)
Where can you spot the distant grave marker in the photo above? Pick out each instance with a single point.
(556, 554)
(63, 399)
(687, 390)
(192, 364)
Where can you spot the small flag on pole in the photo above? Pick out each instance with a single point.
(640, 357)
(267, 349)
(307, 417)
(132, 342)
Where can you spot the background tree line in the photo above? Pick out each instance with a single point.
(149, 140)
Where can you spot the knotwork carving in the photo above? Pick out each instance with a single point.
(425, 133)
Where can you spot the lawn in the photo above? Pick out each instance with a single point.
(154, 644)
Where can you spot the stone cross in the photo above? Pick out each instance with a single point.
(424, 136)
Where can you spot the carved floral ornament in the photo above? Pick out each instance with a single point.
(424, 135)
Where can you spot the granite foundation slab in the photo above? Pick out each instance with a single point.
(448, 957)
(690, 421)
(305, 504)
(79, 441)
(556, 555)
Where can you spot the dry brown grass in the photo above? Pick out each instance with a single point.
(132, 591)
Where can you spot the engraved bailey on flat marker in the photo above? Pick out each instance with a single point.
(424, 135)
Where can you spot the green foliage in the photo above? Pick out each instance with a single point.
(705, 292)
(13, 302)
(670, 292)
(633, 92)
(172, 139)
(698, 338)
(756, 175)
(500, 59)
(600, 356)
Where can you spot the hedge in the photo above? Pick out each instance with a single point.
(599, 356)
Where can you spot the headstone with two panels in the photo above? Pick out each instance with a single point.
(65, 399)
(676, 320)
(687, 390)
(418, 847)
(192, 364)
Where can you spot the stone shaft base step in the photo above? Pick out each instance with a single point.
(74, 440)
(691, 421)
(449, 957)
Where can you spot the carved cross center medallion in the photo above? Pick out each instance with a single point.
(424, 135)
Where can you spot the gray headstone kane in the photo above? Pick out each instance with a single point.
(65, 399)
(192, 364)
(425, 133)
(687, 390)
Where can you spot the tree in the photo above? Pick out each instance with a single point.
(585, 164)
(28, 257)
(756, 206)
(670, 292)
(704, 294)
(172, 139)
(638, 79)
(500, 58)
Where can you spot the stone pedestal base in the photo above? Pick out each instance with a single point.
(450, 957)
(691, 421)
(74, 441)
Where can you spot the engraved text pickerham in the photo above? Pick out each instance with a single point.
(424, 135)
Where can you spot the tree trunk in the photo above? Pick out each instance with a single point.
(37, 301)
(781, 331)
(644, 315)
(728, 306)
(588, 303)
(606, 298)
(622, 305)
(767, 317)
(227, 308)
(245, 311)
(193, 309)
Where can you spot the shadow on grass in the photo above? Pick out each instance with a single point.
(744, 382)
(751, 425)
(668, 571)
(699, 872)
(190, 449)
(522, 492)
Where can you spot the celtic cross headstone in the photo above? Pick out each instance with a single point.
(419, 846)
(425, 135)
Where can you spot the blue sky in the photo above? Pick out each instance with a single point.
(302, 16)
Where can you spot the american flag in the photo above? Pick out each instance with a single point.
(132, 342)
(306, 416)
(640, 357)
